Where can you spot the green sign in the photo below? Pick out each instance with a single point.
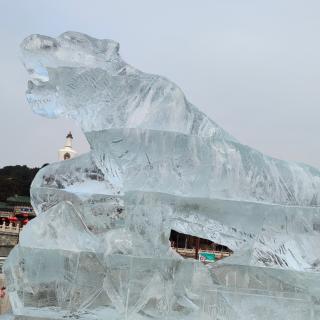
(207, 257)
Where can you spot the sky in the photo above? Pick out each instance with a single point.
(252, 66)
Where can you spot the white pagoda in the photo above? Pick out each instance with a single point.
(67, 152)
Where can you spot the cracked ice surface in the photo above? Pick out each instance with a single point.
(99, 247)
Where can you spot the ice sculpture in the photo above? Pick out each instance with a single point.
(99, 247)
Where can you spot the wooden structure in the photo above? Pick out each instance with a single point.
(189, 246)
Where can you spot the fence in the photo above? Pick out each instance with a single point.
(10, 228)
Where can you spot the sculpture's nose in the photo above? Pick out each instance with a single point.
(38, 42)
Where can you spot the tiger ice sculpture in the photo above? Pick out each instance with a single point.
(99, 246)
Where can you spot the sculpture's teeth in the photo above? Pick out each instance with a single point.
(35, 82)
(30, 85)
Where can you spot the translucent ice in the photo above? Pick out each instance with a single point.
(99, 247)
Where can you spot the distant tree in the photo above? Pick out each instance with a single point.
(16, 180)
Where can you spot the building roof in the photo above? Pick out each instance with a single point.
(4, 207)
(19, 199)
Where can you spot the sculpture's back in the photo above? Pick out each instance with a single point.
(99, 247)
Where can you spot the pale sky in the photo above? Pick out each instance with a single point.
(252, 66)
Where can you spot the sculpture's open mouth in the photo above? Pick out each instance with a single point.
(41, 93)
(37, 54)
(38, 77)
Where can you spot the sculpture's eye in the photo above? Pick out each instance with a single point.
(48, 44)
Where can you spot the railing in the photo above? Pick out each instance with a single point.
(191, 252)
(11, 228)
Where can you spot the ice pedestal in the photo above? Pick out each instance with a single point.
(99, 249)
(83, 285)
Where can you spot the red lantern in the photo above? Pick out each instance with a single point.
(25, 221)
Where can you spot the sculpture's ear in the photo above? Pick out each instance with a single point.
(111, 48)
